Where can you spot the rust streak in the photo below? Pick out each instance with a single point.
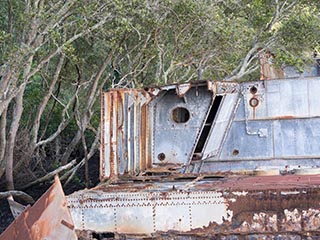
(143, 138)
(284, 117)
(67, 224)
(102, 140)
(111, 114)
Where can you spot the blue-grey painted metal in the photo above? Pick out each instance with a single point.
(261, 124)
(240, 205)
(183, 136)
(283, 130)
(175, 140)
(221, 125)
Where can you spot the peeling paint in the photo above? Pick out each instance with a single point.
(225, 206)
(243, 193)
(208, 159)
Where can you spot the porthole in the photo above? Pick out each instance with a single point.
(180, 115)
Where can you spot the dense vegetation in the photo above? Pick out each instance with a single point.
(56, 56)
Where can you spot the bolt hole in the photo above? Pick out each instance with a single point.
(161, 156)
(235, 152)
(253, 90)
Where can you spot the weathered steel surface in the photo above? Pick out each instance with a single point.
(175, 140)
(221, 126)
(246, 205)
(283, 129)
(137, 125)
(169, 134)
(212, 126)
(180, 160)
(48, 218)
(124, 142)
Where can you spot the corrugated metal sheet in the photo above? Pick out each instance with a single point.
(125, 136)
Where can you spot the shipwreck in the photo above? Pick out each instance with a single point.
(216, 159)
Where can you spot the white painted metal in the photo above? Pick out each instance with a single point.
(146, 212)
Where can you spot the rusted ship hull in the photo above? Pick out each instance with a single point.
(190, 160)
(180, 159)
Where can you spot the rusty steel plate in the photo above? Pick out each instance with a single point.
(49, 218)
(245, 205)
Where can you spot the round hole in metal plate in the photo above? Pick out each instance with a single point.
(180, 115)
(253, 90)
(161, 156)
(254, 102)
(235, 152)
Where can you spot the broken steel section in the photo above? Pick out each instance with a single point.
(125, 134)
(267, 205)
(154, 128)
(49, 218)
(268, 70)
(209, 127)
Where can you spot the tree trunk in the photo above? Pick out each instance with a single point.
(42, 106)
(3, 123)
(84, 120)
(70, 148)
(17, 112)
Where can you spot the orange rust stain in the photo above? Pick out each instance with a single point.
(43, 219)
(112, 157)
(143, 138)
(105, 118)
(284, 117)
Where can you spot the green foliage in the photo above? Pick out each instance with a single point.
(33, 95)
(298, 37)
(147, 43)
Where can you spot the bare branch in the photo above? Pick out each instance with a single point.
(3, 141)
(22, 195)
(92, 151)
(64, 122)
(279, 13)
(87, 114)
(43, 104)
(69, 41)
(50, 174)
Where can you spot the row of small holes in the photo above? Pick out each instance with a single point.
(146, 205)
